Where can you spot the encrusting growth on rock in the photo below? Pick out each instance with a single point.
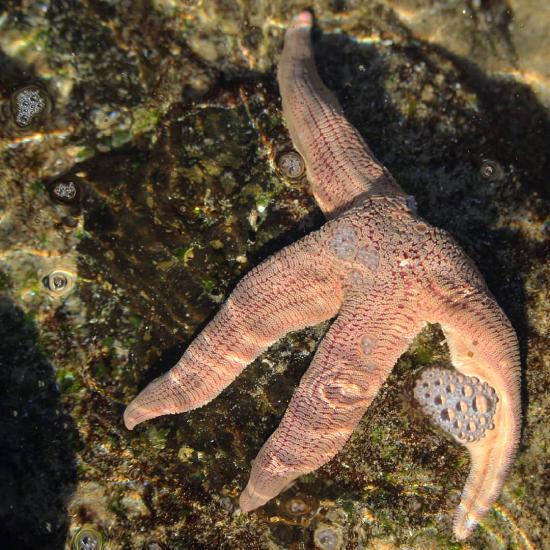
(383, 272)
(462, 405)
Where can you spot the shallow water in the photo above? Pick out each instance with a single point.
(165, 121)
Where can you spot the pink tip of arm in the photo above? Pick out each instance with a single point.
(303, 19)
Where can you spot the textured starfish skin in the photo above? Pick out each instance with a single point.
(383, 272)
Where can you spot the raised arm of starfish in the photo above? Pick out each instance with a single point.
(382, 272)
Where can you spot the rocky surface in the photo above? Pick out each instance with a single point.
(168, 116)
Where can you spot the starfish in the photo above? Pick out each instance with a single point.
(382, 272)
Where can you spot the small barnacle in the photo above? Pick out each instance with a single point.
(327, 537)
(298, 509)
(87, 538)
(491, 170)
(65, 190)
(59, 282)
(29, 107)
(291, 165)
(296, 506)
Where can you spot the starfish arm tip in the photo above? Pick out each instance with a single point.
(463, 525)
(302, 19)
(128, 423)
(250, 500)
(151, 402)
(133, 415)
(136, 414)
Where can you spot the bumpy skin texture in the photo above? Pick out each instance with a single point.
(383, 272)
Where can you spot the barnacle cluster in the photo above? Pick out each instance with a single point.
(29, 107)
(64, 190)
(462, 405)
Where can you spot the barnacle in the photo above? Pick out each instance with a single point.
(462, 405)
(491, 170)
(59, 282)
(327, 537)
(291, 165)
(297, 506)
(29, 107)
(87, 538)
(297, 509)
(65, 190)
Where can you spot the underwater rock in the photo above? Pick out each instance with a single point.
(152, 207)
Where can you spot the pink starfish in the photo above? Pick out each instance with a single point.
(383, 272)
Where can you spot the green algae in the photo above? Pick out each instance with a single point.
(5, 283)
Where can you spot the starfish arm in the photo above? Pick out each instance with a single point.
(483, 344)
(341, 168)
(289, 291)
(351, 363)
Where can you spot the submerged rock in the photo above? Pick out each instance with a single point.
(171, 119)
